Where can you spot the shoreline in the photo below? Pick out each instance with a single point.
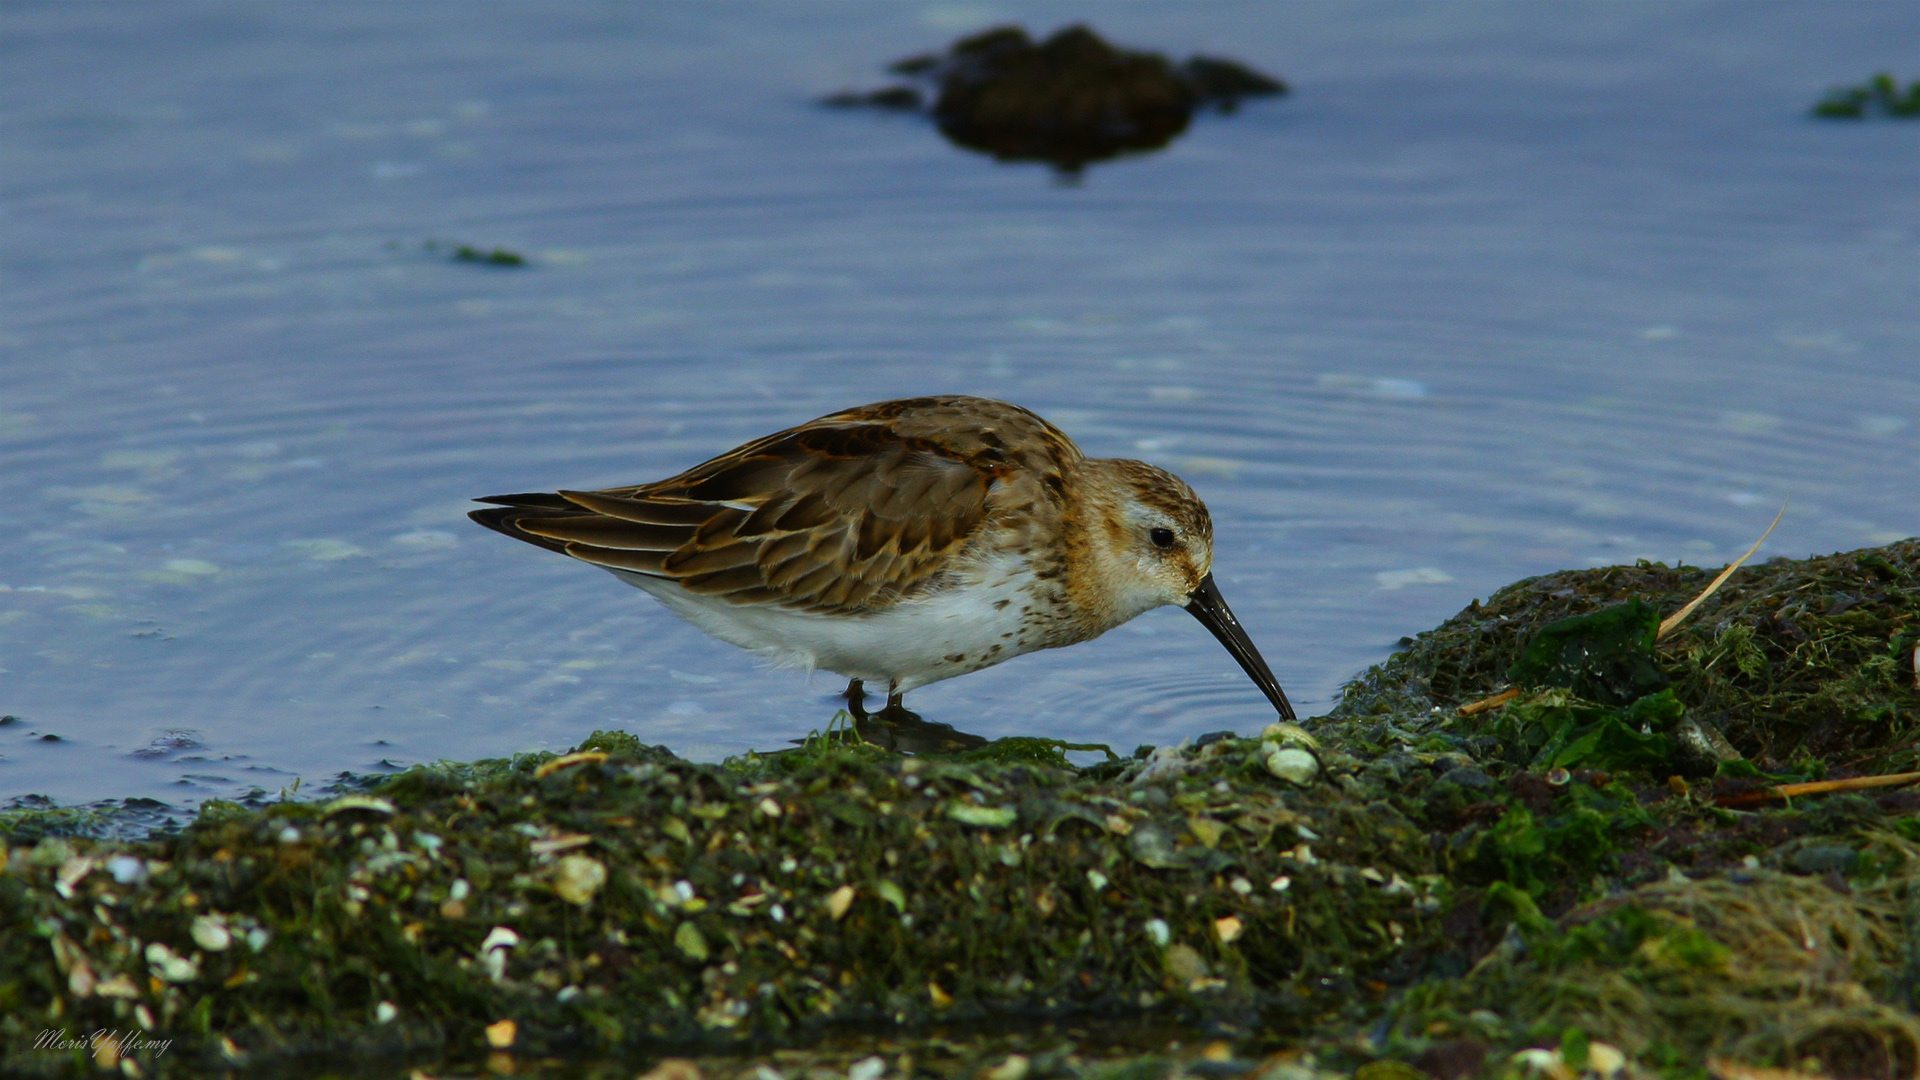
(1391, 886)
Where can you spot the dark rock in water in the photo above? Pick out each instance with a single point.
(916, 65)
(896, 98)
(1223, 83)
(1070, 100)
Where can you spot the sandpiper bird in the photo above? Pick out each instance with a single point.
(903, 542)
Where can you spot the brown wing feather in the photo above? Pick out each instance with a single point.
(847, 513)
(640, 562)
(598, 530)
(617, 503)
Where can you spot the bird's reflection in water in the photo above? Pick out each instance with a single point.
(903, 731)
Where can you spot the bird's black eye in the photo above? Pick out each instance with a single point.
(1162, 538)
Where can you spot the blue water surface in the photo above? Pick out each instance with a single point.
(1500, 289)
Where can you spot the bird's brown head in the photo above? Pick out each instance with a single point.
(1150, 539)
(1148, 536)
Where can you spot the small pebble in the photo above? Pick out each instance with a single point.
(576, 878)
(1293, 765)
(673, 1069)
(210, 933)
(1015, 1067)
(126, 869)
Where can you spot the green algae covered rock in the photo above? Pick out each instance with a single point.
(621, 897)
(1606, 655)
(1795, 661)
(1548, 884)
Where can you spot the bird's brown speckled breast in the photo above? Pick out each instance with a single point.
(1028, 507)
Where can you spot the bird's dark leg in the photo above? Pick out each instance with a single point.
(856, 699)
(895, 728)
(896, 710)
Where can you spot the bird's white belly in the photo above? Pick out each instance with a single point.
(913, 643)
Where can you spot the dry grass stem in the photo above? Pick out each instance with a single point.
(1488, 704)
(1680, 616)
(1820, 787)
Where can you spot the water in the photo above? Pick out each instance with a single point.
(1501, 289)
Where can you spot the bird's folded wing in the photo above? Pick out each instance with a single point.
(835, 518)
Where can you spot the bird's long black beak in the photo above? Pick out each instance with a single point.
(1211, 609)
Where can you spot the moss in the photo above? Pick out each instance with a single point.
(1444, 889)
(1606, 655)
(1761, 967)
(1793, 660)
(31, 818)
(1557, 730)
(655, 900)
(1573, 840)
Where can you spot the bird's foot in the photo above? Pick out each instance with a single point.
(856, 695)
(902, 730)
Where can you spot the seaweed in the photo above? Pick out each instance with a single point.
(1391, 888)
(648, 901)
(1761, 966)
(1791, 660)
(1606, 655)
(499, 256)
(1881, 95)
(479, 256)
(1560, 731)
